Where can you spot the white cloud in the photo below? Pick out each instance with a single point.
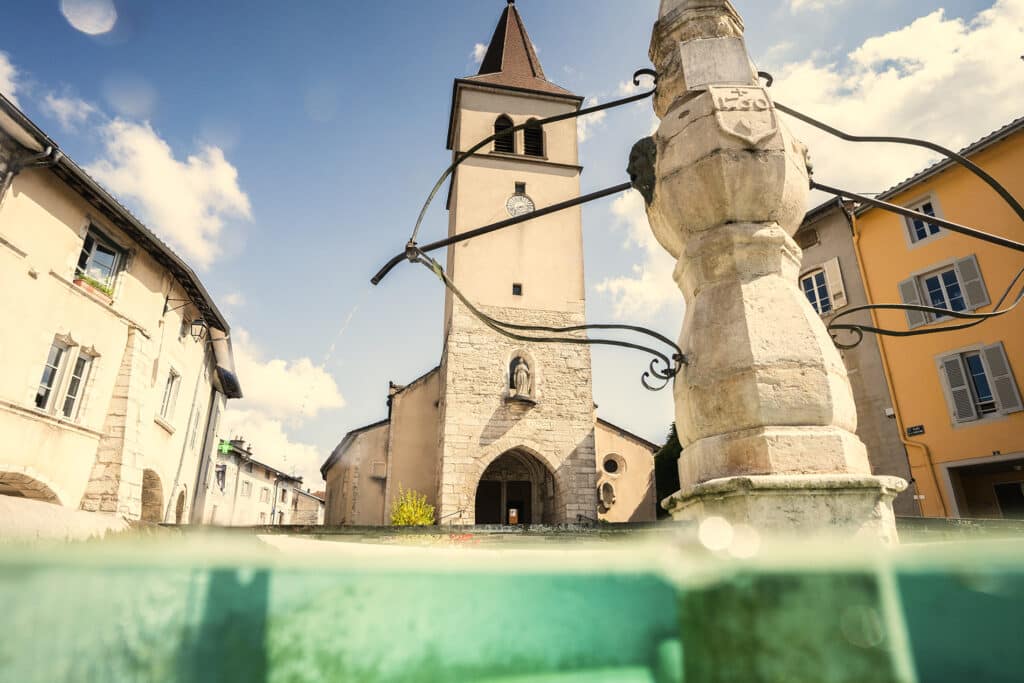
(585, 124)
(293, 390)
(8, 79)
(70, 112)
(811, 5)
(271, 444)
(185, 202)
(947, 80)
(650, 287)
(233, 299)
(280, 395)
(479, 50)
(950, 81)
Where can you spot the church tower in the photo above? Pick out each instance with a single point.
(517, 419)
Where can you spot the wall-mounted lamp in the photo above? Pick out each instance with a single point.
(198, 330)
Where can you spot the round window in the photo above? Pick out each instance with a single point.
(611, 466)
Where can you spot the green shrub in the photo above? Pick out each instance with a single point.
(411, 509)
(666, 468)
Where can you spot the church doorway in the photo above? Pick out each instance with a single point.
(515, 481)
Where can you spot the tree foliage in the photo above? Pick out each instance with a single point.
(411, 509)
(666, 468)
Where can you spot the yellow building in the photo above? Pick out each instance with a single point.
(956, 394)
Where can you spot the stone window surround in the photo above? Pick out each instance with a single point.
(985, 419)
(939, 266)
(914, 205)
(59, 390)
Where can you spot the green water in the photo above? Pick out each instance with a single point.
(225, 609)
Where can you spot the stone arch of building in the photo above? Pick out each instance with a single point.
(538, 463)
(23, 482)
(152, 497)
(180, 503)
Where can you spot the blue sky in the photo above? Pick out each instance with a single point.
(301, 139)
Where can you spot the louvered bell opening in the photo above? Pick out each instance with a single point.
(533, 139)
(505, 140)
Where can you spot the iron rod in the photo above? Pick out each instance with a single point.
(507, 223)
(955, 227)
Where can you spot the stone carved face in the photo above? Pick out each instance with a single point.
(642, 159)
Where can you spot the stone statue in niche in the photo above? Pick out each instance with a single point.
(521, 380)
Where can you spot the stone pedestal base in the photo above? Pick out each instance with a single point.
(832, 504)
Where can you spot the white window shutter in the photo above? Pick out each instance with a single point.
(971, 282)
(910, 294)
(1001, 376)
(834, 278)
(961, 400)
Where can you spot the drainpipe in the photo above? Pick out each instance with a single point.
(888, 374)
(48, 157)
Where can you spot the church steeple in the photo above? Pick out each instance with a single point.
(511, 59)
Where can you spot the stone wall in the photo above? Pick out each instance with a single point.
(480, 423)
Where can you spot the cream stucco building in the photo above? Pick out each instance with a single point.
(830, 277)
(247, 492)
(116, 360)
(502, 425)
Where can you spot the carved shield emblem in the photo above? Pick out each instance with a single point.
(745, 112)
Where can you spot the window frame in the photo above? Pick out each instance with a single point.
(169, 400)
(53, 389)
(815, 287)
(120, 254)
(536, 131)
(500, 142)
(973, 290)
(1004, 388)
(83, 382)
(908, 226)
(923, 290)
(246, 487)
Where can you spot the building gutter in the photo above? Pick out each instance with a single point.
(850, 217)
(50, 156)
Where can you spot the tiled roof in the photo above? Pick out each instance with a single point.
(511, 60)
(1009, 129)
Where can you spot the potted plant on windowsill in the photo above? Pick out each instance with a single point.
(92, 285)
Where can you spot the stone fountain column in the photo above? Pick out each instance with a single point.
(764, 409)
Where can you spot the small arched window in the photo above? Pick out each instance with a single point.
(533, 139)
(506, 140)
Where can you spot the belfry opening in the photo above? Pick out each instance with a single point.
(516, 488)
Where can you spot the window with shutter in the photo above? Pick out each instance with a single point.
(971, 282)
(834, 276)
(1007, 394)
(918, 228)
(910, 295)
(533, 139)
(506, 141)
(960, 397)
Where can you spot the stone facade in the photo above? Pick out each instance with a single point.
(480, 422)
(247, 492)
(477, 443)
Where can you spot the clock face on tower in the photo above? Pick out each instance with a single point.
(518, 204)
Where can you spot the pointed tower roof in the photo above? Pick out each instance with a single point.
(511, 60)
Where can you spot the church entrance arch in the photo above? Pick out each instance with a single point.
(516, 481)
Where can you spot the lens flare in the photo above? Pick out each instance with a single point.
(94, 17)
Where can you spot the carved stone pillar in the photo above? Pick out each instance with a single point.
(764, 409)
